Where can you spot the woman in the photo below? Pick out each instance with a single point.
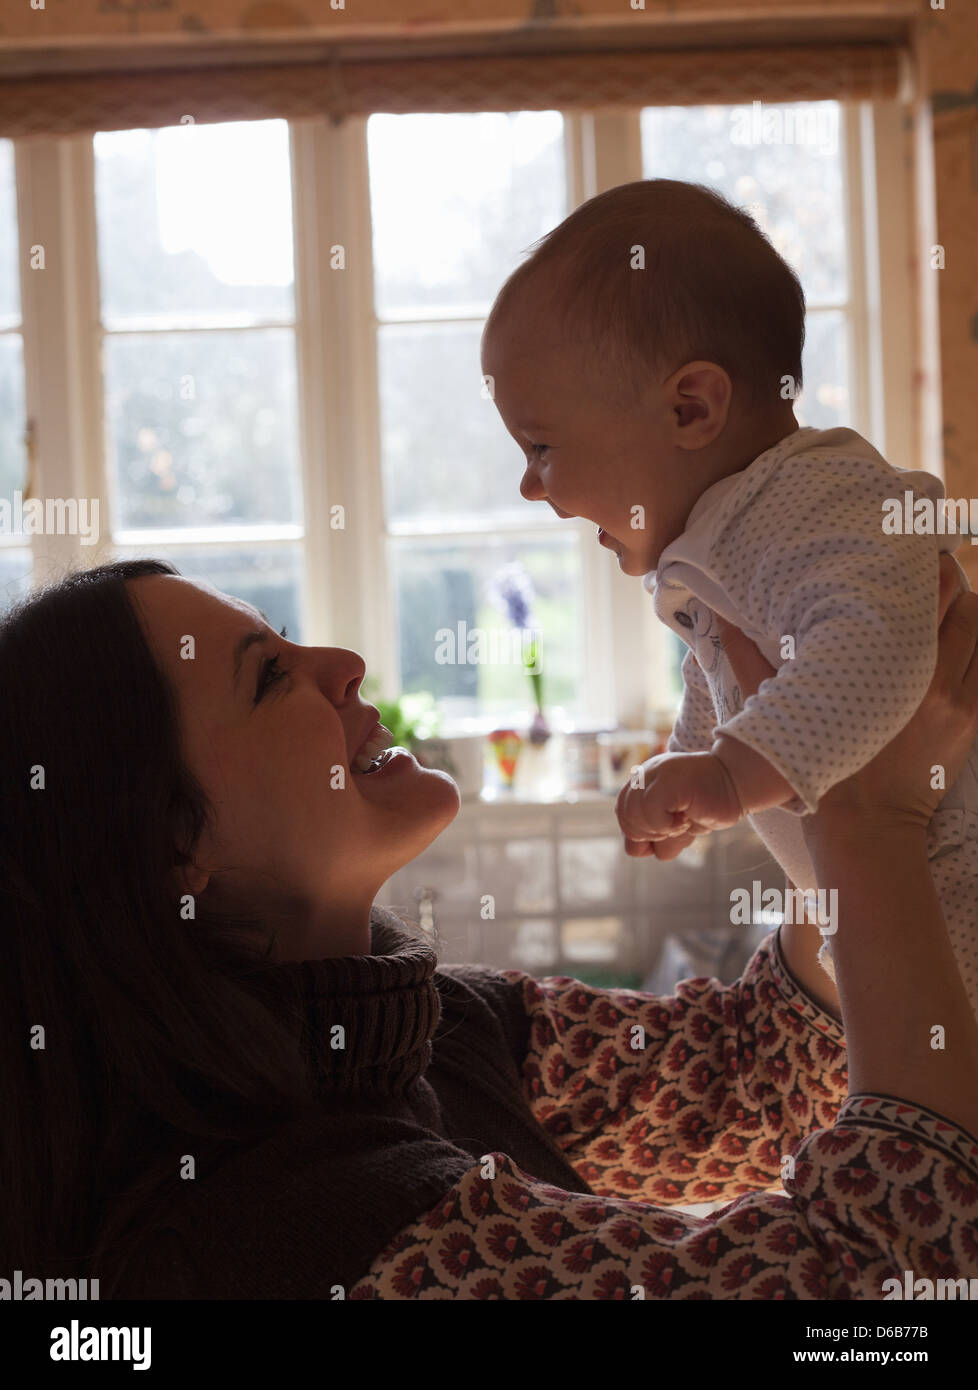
(226, 1075)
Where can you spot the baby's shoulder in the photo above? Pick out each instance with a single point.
(823, 485)
(821, 465)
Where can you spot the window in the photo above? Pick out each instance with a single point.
(15, 559)
(455, 202)
(198, 354)
(783, 165)
(237, 384)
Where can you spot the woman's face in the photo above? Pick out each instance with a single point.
(270, 730)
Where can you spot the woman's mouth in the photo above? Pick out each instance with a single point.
(377, 763)
(371, 749)
(387, 763)
(374, 752)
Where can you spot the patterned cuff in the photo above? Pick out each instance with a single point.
(927, 1126)
(795, 995)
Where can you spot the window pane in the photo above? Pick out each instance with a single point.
(202, 427)
(9, 277)
(15, 574)
(267, 576)
(440, 584)
(456, 200)
(13, 455)
(196, 221)
(824, 401)
(456, 203)
(444, 452)
(780, 162)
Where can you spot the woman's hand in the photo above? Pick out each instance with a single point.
(893, 791)
(895, 788)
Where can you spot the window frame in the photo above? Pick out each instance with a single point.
(346, 599)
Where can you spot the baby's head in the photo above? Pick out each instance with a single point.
(640, 354)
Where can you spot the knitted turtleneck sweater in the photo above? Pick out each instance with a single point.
(384, 1190)
(426, 1082)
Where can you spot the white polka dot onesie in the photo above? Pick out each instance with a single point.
(800, 545)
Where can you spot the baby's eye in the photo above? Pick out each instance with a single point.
(538, 448)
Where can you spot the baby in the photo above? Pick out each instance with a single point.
(645, 359)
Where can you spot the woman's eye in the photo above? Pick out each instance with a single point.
(269, 674)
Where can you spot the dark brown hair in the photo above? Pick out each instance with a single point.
(713, 288)
(153, 1025)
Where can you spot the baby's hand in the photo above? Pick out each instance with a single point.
(684, 795)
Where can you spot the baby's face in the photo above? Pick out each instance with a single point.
(588, 457)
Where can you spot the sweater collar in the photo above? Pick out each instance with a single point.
(365, 1022)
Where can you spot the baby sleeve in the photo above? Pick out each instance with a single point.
(860, 608)
(693, 731)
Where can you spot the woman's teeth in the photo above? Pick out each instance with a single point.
(373, 751)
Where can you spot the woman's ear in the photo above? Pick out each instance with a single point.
(190, 878)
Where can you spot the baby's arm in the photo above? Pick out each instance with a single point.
(689, 794)
(698, 772)
(759, 785)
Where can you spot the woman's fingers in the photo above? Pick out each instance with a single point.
(957, 657)
(970, 602)
(950, 584)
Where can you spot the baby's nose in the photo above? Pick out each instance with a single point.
(531, 487)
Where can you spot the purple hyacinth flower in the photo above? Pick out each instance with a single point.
(512, 589)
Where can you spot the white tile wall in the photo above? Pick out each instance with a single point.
(566, 899)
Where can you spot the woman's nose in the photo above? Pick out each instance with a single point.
(340, 673)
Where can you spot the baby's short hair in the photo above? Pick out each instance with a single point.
(713, 288)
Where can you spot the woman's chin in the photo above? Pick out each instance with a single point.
(425, 799)
(444, 793)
